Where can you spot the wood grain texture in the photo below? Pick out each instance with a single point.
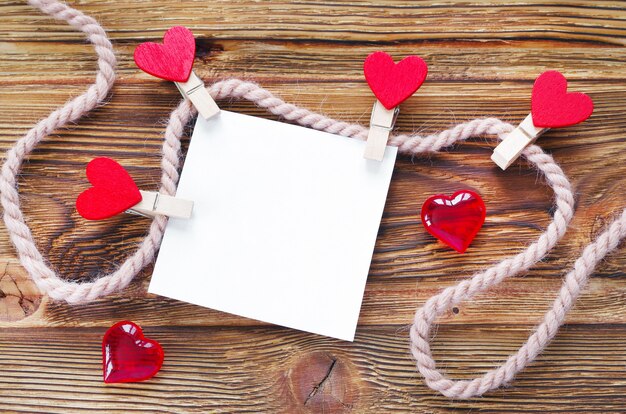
(483, 57)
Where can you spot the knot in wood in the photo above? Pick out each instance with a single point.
(323, 382)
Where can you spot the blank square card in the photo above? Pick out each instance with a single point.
(283, 228)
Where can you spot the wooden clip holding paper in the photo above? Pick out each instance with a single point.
(382, 121)
(114, 191)
(195, 91)
(515, 142)
(153, 204)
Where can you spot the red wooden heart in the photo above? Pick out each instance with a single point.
(393, 83)
(128, 356)
(173, 59)
(113, 191)
(553, 107)
(455, 219)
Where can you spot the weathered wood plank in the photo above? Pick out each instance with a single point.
(436, 106)
(215, 370)
(520, 302)
(393, 21)
(286, 61)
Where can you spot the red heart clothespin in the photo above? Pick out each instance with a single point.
(455, 219)
(392, 83)
(551, 107)
(128, 356)
(115, 192)
(173, 61)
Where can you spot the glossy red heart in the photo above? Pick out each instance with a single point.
(553, 107)
(128, 356)
(455, 219)
(393, 83)
(113, 191)
(171, 60)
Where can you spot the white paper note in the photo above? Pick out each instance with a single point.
(283, 228)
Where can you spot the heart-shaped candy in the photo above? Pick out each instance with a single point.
(113, 191)
(173, 59)
(553, 107)
(455, 219)
(393, 83)
(128, 356)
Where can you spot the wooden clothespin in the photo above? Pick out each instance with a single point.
(515, 142)
(382, 122)
(392, 84)
(114, 192)
(551, 107)
(195, 91)
(173, 61)
(153, 204)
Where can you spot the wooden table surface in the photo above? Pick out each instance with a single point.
(483, 57)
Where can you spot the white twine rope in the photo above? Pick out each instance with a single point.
(59, 289)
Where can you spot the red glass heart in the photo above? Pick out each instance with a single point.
(455, 219)
(128, 356)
